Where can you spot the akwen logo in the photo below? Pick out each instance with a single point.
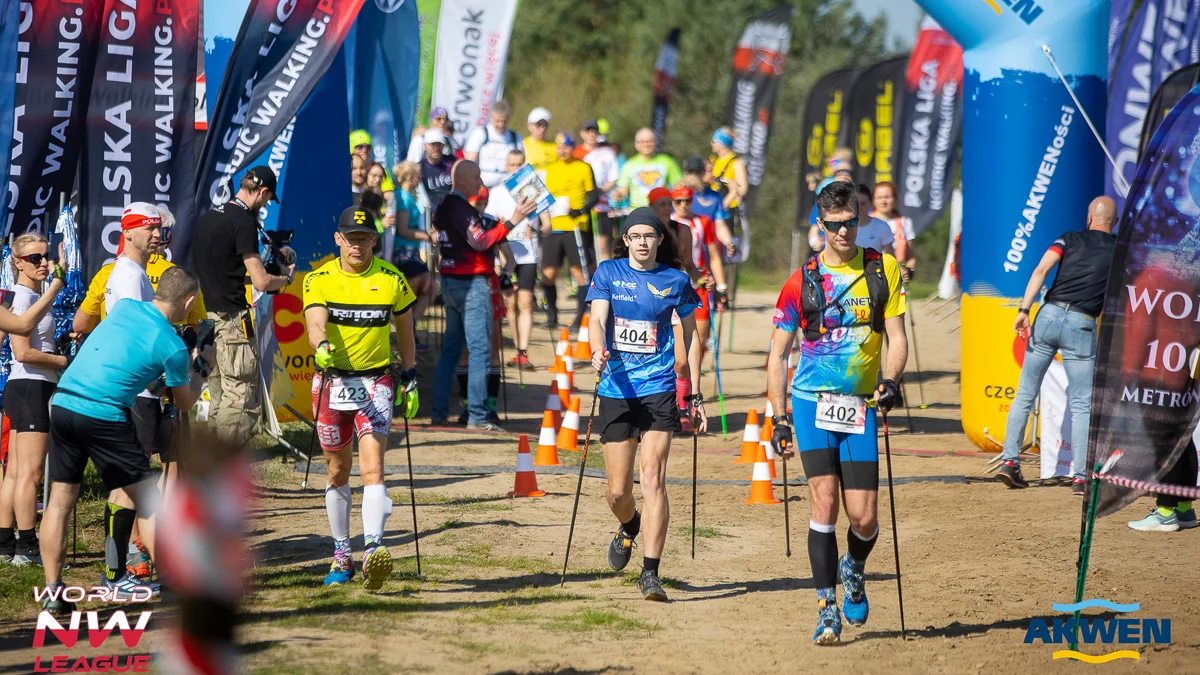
(657, 293)
(1092, 631)
(1026, 10)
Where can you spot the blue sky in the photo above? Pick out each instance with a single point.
(902, 15)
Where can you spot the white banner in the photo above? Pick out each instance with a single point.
(472, 47)
(1055, 419)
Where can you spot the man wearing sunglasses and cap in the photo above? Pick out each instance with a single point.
(841, 303)
(349, 304)
(225, 253)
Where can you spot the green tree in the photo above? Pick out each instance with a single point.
(595, 58)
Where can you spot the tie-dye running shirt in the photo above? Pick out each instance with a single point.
(846, 358)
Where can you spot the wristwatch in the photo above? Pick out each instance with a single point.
(777, 420)
(1023, 310)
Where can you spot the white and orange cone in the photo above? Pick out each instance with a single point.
(547, 451)
(583, 345)
(750, 439)
(766, 443)
(565, 381)
(526, 483)
(761, 491)
(564, 343)
(568, 435)
(554, 405)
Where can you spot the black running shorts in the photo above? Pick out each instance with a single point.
(624, 418)
(27, 404)
(112, 446)
(527, 275)
(561, 246)
(153, 426)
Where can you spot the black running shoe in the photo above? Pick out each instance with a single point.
(58, 607)
(620, 549)
(651, 588)
(1010, 475)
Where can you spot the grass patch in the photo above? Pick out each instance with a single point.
(702, 532)
(604, 620)
(298, 434)
(452, 524)
(462, 502)
(631, 579)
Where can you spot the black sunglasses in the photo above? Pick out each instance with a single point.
(34, 258)
(835, 225)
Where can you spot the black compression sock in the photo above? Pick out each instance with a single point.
(28, 545)
(116, 544)
(823, 557)
(581, 306)
(633, 526)
(650, 564)
(462, 383)
(493, 383)
(8, 540)
(551, 293)
(859, 547)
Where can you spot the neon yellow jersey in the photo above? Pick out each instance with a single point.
(540, 154)
(724, 174)
(570, 181)
(360, 308)
(93, 302)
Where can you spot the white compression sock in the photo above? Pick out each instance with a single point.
(337, 505)
(376, 507)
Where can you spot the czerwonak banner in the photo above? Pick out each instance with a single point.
(56, 52)
(472, 48)
(139, 144)
(826, 130)
(282, 49)
(758, 62)
(665, 67)
(1146, 396)
(874, 109)
(932, 117)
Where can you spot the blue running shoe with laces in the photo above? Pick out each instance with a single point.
(829, 620)
(341, 571)
(854, 591)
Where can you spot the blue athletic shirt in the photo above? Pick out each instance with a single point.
(642, 303)
(128, 351)
(406, 202)
(708, 203)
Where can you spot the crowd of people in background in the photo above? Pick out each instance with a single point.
(595, 187)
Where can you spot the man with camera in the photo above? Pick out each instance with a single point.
(225, 253)
(134, 347)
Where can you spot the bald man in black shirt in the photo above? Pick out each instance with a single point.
(1066, 323)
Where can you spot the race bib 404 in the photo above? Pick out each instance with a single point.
(635, 337)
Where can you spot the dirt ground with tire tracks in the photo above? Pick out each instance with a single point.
(979, 561)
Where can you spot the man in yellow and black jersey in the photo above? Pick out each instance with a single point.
(349, 304)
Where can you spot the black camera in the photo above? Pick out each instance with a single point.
(280, 254)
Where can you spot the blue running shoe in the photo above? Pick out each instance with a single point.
(854, 591)
(341, 571)
(829, 619)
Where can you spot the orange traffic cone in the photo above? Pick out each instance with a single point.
(565, 381)
(568, 435)
(749, 439)
(766, 443)
(554, 405)
(526, 484)
(583, 345)
(761, 491)
(564, 343)
(547, 454)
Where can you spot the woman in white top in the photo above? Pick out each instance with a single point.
(27, 396)
(885, 202)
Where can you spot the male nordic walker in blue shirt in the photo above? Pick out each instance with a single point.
(633, 296)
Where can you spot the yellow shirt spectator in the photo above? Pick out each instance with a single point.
(93, 302)
(539, 154)
(569, 180)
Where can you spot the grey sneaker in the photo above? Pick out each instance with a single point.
(620, 549)
(651, 588)
(484, 426)
(1010, 474)
(1156, 522)
(128, 587)
(23, 560)
(1187, 519)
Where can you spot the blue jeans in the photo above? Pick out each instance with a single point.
(468, 304)
(1073, 334)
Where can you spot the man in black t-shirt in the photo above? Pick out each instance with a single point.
(435, 168)
(224, 253)
(1065, 323)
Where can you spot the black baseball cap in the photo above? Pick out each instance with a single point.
(263, 176)
(693, 164)
(356, 220)
(590, 124)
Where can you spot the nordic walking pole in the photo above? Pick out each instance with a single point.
(503, 381)
(312, 441)
(787, 519)
(412, 493)
(587, 441)
(1086, 527)
(74, 533)
(887, 449)
(695, 460)
(917, 359)
(717, 367)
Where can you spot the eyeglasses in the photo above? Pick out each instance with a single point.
(835, 225)
(683, 201)
(34, 258)
(635, 238)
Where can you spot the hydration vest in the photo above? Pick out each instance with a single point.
(812, 297)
